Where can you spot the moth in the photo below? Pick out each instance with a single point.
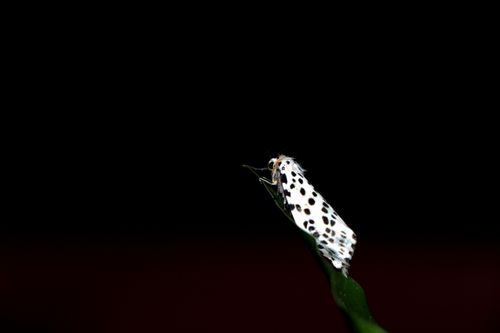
(311, 213)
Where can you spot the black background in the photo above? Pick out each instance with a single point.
(129, 209)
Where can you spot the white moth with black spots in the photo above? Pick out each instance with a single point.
(311, 213)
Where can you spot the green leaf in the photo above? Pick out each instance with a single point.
(347, 293)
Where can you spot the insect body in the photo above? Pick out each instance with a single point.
(311, 213)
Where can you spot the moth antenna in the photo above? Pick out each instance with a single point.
(253, 168)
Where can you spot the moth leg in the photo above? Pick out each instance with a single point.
(265, 180)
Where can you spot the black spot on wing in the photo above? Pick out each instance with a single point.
(283, 179)
(311, 201)
(302, 191)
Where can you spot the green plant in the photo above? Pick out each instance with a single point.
(347, 293)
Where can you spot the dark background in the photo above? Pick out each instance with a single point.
(128, 209)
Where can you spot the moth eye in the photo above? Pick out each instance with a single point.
(270, 165)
